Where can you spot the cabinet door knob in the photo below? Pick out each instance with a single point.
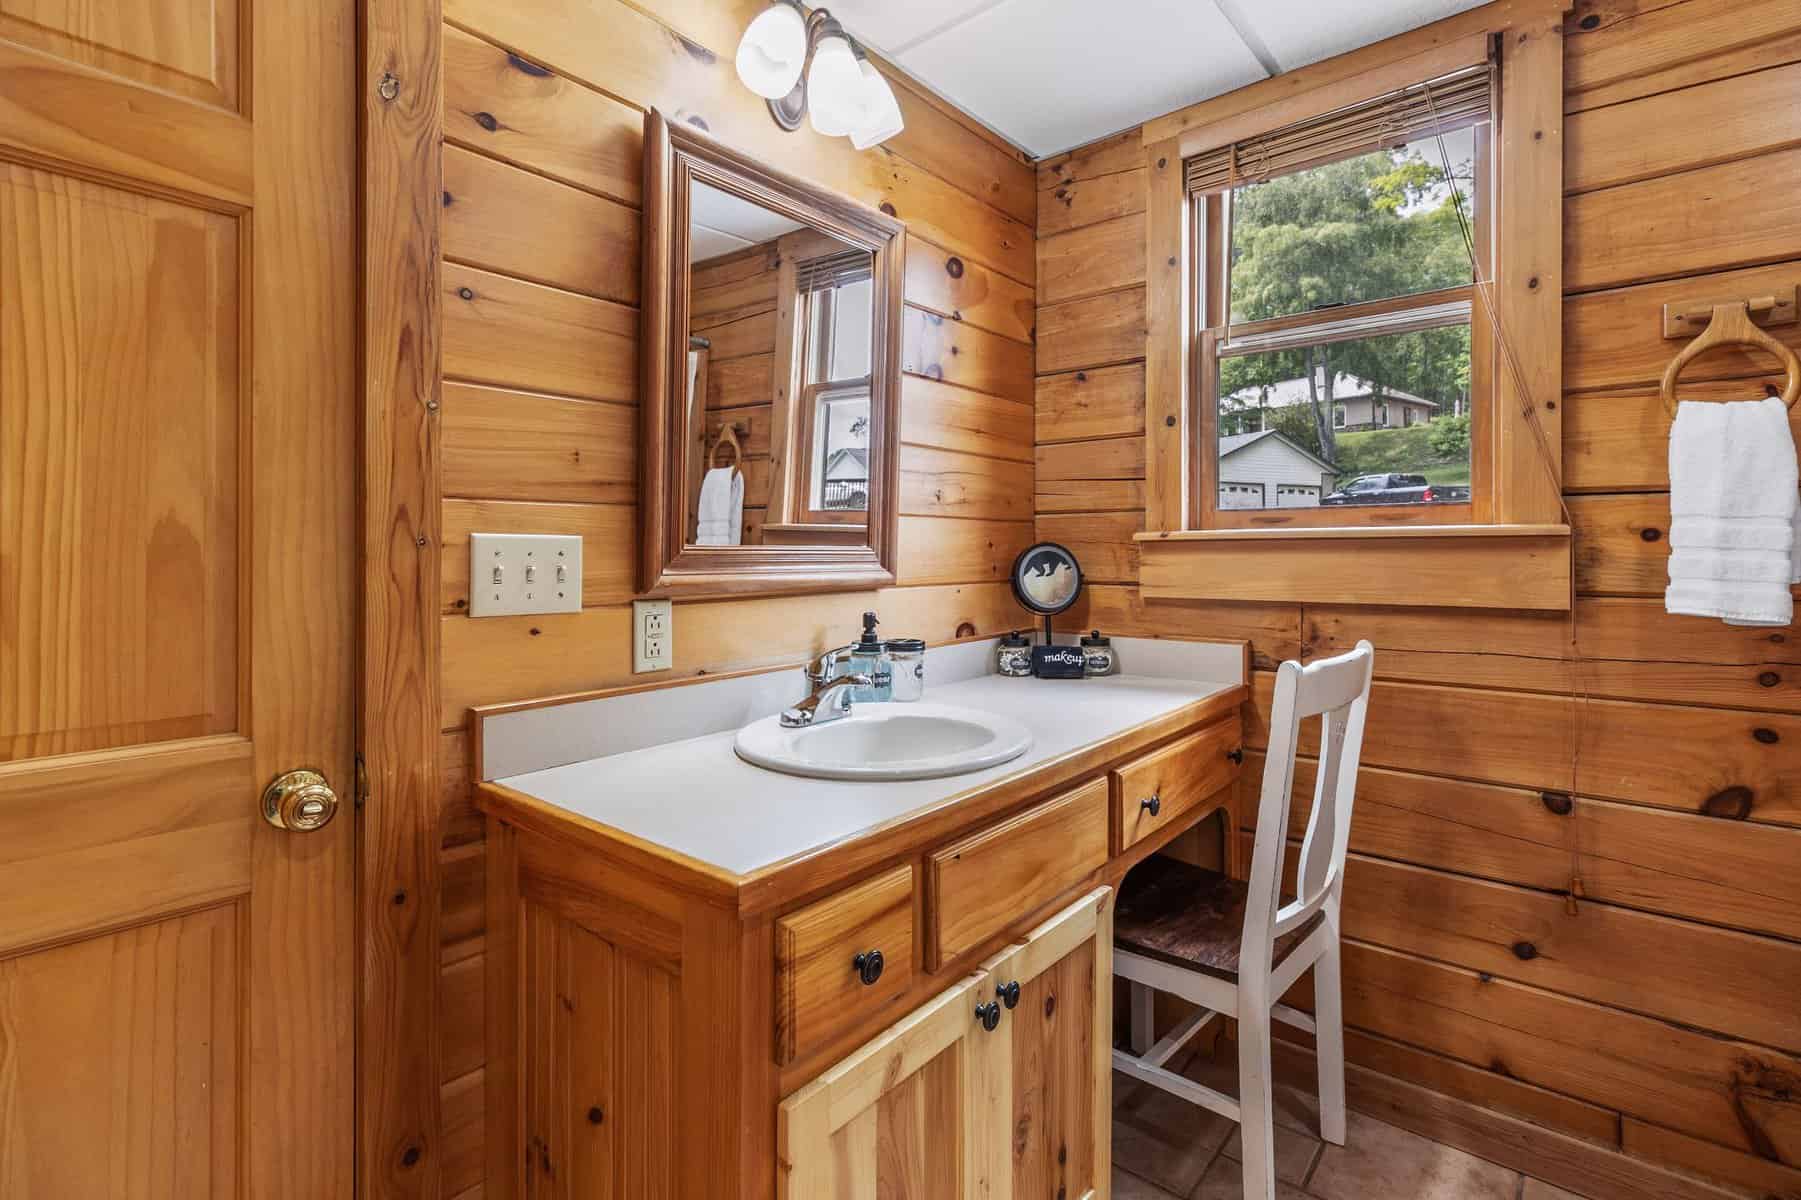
(989, 1015)
(1152, 803)
(1236, 754)
(869, 966)
(1009, 993)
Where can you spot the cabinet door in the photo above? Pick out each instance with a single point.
(1042, 1081)
(894, 1119)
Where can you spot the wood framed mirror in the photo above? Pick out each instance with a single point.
(771, 377)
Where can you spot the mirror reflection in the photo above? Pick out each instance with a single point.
(779, 378)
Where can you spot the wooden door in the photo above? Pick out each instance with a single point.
(895, 1120)
(1043, 1083)
(177, 589)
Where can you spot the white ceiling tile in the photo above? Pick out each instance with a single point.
(1298, 32)
(736, 216)
(893, 25)
(1052, 74)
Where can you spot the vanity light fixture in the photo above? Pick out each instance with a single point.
(804, 64)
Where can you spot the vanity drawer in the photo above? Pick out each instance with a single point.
(823, 955)
(977, 885)
(1167, 785)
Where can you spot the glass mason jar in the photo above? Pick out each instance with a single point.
(908, 659)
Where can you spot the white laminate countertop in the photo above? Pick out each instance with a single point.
(698, 798)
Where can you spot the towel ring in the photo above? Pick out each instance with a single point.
(727, 437)
(1732, 326)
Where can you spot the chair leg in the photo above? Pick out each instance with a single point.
(1256, 1119)
(1328, 1017)
(1144, 1001)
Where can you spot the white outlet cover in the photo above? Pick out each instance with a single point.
(528, 580)
(653, 636)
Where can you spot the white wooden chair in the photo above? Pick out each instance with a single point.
(1233, 947)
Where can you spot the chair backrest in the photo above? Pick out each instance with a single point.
(1337, 690)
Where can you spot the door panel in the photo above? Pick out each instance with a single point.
(178, 540)
(895, 1119)
(189, 47)
(1048, 1069)
(138, 1035)
(118, 466)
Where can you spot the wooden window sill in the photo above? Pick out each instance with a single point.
(1415, 566)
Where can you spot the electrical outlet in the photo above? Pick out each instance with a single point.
(512, 573)
(653, 636)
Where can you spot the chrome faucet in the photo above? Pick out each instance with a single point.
(830, 700)
(819, 671)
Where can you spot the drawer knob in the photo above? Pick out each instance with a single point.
(989, 1015)
(1009, 993)
(1236, 754)
(1152, 803)
(869, 966)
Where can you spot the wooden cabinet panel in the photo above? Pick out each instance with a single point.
(892, 1120)
(819, 980)
(1045, 1072)
(999, 1088)
(599, 1027)
(975, 885)
(1169, 784)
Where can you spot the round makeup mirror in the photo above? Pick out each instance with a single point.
(1046, 580)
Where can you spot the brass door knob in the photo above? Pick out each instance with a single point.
(299, 801)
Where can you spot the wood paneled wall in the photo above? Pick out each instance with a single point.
(1650, 763)
(543, 111)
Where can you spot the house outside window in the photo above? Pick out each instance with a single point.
(1335, 272)
(835, 292)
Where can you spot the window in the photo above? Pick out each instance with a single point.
(835, 294)
(1335, 272)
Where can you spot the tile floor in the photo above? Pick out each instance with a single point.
(1167, 1149)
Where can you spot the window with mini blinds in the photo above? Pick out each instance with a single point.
(1343, 362)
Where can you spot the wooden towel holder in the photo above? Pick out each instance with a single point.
(728, 436)
(1732, 326)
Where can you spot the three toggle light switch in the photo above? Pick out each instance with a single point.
(515, 573)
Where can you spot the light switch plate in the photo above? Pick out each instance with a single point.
(653, 636)
(512, 573)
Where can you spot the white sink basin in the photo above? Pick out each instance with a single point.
(887, 741)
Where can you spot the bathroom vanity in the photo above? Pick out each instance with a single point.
(709, 979)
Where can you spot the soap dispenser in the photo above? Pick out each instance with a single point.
(869, 657)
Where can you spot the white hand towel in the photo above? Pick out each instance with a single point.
(1735, 513)
(720, 517)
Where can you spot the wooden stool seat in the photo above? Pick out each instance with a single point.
(1189, 916)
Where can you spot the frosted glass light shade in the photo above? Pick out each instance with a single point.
(836, 96)
(772, 51)
(882, 114)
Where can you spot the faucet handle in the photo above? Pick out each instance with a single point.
(819, 671)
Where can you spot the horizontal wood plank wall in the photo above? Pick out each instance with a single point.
(1649, 761)
(543, 111)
